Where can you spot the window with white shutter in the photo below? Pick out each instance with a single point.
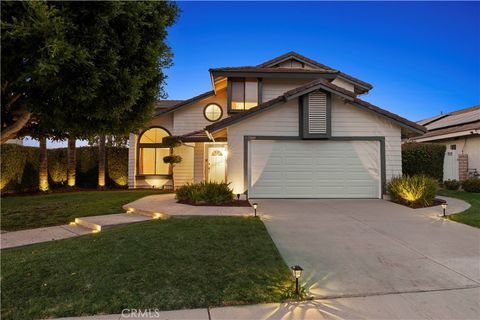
(315, 113)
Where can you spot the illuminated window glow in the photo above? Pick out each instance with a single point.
(151, 152)
(244, 94)
(213, 112)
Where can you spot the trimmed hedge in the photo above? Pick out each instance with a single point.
(471, 185)
(19, 167)
(451, 184)
(423, 159)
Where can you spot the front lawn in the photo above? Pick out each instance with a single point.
(26, 212)
(164, 264)
(470, 216)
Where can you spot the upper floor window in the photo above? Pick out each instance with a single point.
(244, 94)
(151, 152)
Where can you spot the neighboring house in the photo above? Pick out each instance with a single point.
(460, 132)
(290, 127)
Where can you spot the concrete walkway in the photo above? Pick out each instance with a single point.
(167, 205)
(38, 235)
(82, 226)
(452, 304)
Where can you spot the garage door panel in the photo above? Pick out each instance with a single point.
(314, 169)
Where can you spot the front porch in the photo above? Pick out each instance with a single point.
(204, 158)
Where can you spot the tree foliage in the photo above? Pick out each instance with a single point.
(82, 68)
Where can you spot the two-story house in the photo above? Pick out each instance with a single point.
(290, 127)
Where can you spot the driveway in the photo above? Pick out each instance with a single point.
(352, 248)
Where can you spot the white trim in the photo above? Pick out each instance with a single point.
(449, 135)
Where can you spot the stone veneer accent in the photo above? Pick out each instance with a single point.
(463, 166)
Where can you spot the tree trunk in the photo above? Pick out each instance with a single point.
(72, 158)
(101, 162)
(43, 166)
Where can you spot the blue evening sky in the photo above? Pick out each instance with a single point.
(421, 57)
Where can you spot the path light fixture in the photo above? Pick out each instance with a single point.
(255, 206)
(297, 273)
(444, 207)
(238, 196)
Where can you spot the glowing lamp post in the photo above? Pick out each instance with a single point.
(255, 206)
(297, 273)
(238, 196)
(444, 207)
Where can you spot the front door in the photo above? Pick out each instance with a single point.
(450, 163)
(216, 163)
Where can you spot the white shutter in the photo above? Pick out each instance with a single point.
(317, 113)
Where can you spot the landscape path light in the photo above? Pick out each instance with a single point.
(297, 273)
(444, 207)
(255, 206)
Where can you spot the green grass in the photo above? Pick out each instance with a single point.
(26, 212)
(470, 216)
(165, 264)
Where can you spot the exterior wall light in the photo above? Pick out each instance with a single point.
(444, 207)
(255, 206)
(297, 273)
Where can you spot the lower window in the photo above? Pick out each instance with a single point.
(151, 161)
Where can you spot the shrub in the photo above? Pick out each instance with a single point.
(208, 192)
(19, 167)
(117, 166)
(452, 184)
(471, 185)
(413, 191)
(423, 159)
(57, 166)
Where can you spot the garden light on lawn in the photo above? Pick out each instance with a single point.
(297, 273)
(444, 207)
(255, 206)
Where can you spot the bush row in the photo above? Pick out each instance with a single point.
(19, 167)
(423, 159)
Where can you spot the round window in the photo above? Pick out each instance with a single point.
(212, 112)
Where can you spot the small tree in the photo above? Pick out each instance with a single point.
(172, 159)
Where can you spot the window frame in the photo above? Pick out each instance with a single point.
(205, 111)
(151, 146)
(230, 92)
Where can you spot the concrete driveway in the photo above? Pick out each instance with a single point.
(352, 248)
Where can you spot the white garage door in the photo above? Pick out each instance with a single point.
(314, 169)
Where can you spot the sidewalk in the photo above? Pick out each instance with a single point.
(31, 236)
(445, 304)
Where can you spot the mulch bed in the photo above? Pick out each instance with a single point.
(436, 202)
(234, 203)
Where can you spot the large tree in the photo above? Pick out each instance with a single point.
(82, 68)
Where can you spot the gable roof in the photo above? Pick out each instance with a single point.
(311, 86)
(295, 55)
(184, 103)
(272, 70)
(268, 68)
